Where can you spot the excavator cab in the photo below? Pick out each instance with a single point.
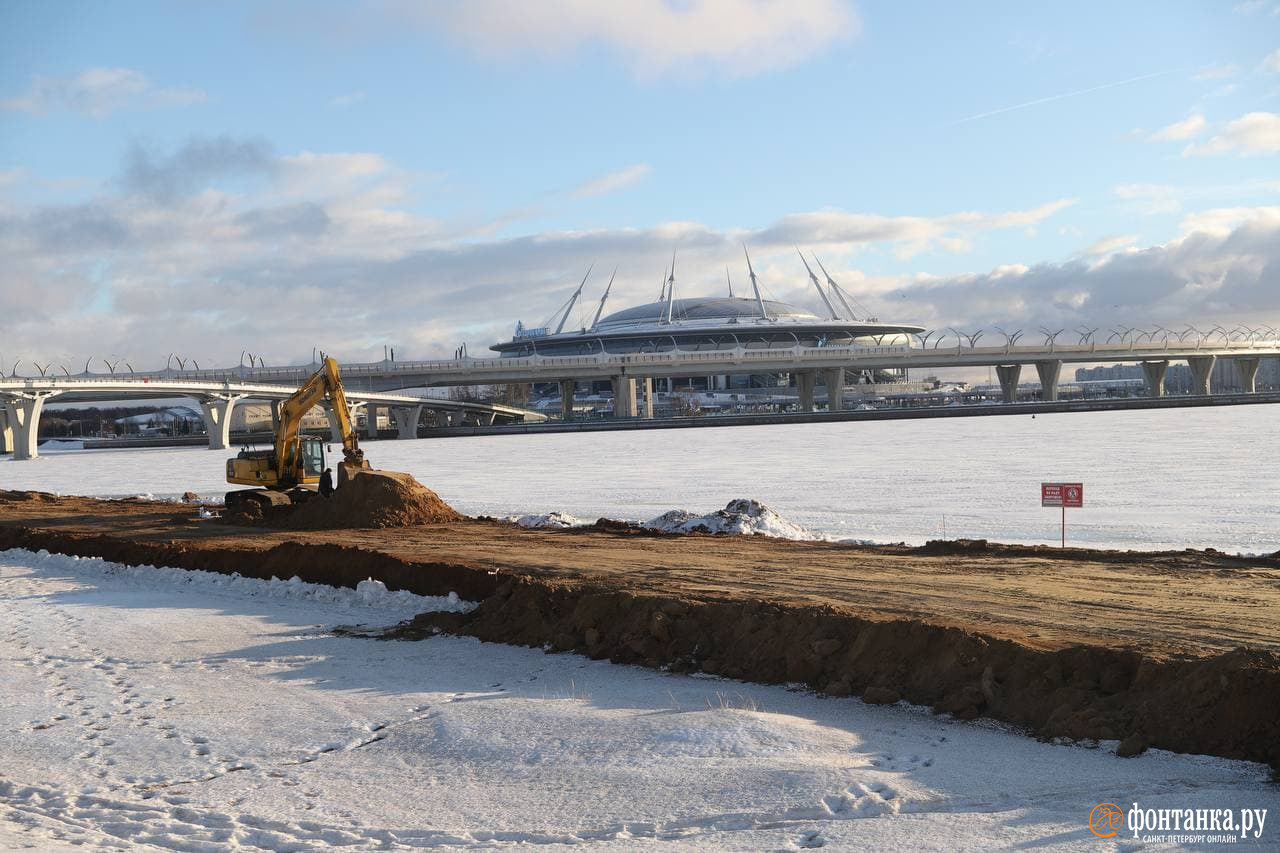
(311, 457)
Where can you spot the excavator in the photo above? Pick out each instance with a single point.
(296, 461)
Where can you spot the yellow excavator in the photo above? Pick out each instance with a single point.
(283, 473)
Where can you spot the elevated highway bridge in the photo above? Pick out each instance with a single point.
(384, 383)
(23, 401)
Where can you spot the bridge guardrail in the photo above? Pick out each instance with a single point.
(1162, 349)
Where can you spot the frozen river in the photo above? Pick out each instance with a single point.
(1172, 478)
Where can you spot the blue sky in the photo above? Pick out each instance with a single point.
(173, 177)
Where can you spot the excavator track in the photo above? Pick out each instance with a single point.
(263, 499)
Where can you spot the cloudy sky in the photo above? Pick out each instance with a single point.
(205, 178)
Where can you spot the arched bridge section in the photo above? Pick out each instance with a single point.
(23, 401)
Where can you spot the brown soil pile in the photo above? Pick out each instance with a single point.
(369, 499)
(23, 497)
(1221, 705)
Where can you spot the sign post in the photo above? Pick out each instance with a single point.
(1062, 495)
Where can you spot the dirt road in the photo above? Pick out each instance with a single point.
(1181, 603)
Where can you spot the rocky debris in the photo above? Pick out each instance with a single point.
(1134, 744)
(245, 513)
(190, 497)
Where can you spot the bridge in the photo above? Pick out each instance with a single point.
(1154, 350)
(24, 399)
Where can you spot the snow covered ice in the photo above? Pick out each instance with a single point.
(159, 709)
(1157, 479)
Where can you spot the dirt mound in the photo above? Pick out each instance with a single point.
(943, 547)
(20, 497)
(370, 499)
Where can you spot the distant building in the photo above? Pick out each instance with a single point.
(173, 420)
(255, 416)
(1225, 377)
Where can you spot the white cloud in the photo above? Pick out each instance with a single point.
(1216, 71)
(347, 100)
(1190, 126)
(1252, 133)
(733, 37)
(612, 181)
(1221, 221)
(1107, 245)
(98, 92)
(1272, 62)
(1218, 271)
(196, 250)
(1150, 198)
(912, 235)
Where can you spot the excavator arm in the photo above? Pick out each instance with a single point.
(325, 382)
(285, 465)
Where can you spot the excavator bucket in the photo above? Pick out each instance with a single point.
(347, 470)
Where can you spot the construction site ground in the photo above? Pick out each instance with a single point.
(1176, 649)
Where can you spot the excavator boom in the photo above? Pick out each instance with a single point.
(295, 460)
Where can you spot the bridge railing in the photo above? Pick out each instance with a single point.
(1158, 348)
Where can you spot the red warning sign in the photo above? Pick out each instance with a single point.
(1062, 494)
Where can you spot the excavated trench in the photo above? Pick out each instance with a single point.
(1222, 705)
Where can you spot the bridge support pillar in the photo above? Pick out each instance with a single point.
(217, 419)
(805, 380)
(406, 418)
(567, 387)
(1008, 375)
(6, 431)
(275, 416)
(834, 379)
(370, 421)
(1153, 372)
(22, 424)
(1248, 368)
(624, 397)
(1202, 371)
(648, 397)
(1049, 372)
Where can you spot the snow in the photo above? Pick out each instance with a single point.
(150, 708)
(61, 444)
(740, 517)
(1159, 479)
(369, 593)
(549, 520)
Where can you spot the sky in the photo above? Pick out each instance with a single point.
(203, 179)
